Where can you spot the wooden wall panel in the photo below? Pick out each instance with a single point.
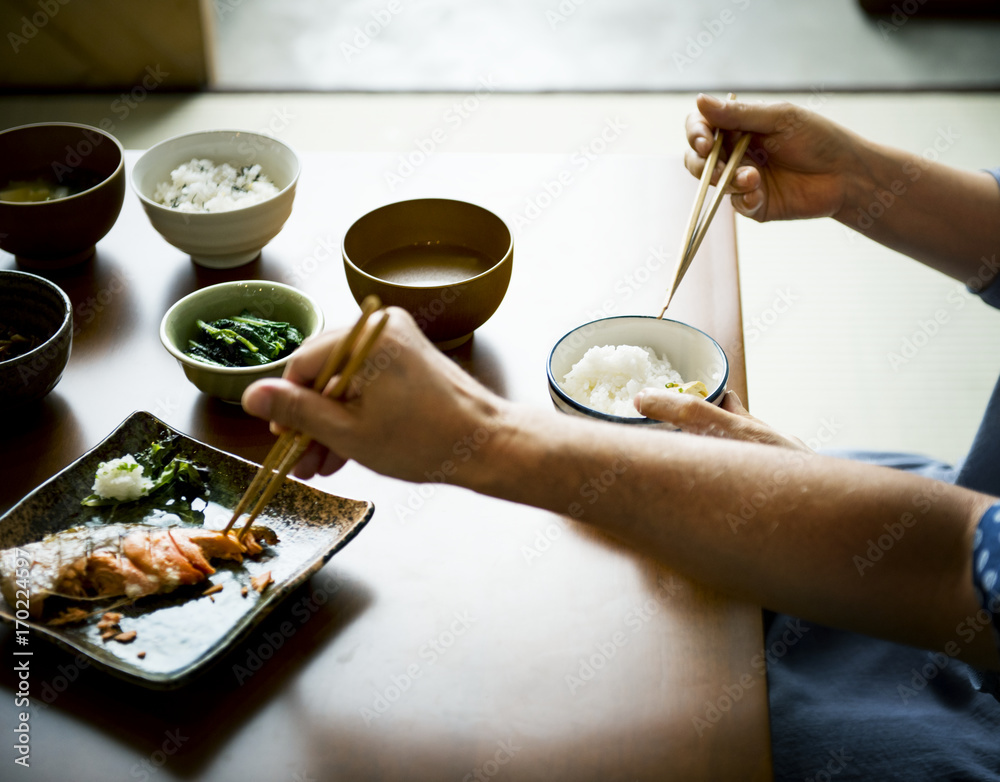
(106, 44)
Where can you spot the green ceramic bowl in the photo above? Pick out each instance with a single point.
(265, 299)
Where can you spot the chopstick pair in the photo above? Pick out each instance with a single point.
(696, 231)
(344, 360)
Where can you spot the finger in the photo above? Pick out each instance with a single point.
(740, 115)
(760, 431)
(749, 204)
(308, 464)
(732, 403)
(687, 412)
(317, 459)
(700, 134)
(696, 164)
(331, 463)
(294, 407)
(747, 178)
(307, 362)
(697, 416)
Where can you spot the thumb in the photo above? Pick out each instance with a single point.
(292, 406)
(740, 115)
(688, 412)
(731, 401)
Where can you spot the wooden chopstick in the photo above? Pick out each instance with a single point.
(343, 361)
(727, 176)
(695, 232)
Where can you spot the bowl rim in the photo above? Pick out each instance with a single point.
(590, 412)
(150, 203)
(63, 324)
(508, 253)
(187, 361)
(119, 169)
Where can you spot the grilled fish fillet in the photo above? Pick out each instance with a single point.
(119, 559)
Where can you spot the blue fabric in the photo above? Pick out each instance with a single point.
(846, 706)
(889, 712)
(986, 580)
(850, 707)
(986, 561)
(981, 469)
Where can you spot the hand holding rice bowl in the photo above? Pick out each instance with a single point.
(617, 376)
(218, 239)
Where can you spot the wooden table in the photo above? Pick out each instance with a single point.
(458, 637)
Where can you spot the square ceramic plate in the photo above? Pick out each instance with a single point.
(182, 632)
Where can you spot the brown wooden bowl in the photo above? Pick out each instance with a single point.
(61, 232)
(446, 262)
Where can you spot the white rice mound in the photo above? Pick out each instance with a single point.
(121, 479)
(608, 377)
(202, 186)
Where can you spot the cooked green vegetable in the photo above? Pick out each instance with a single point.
(243, 341)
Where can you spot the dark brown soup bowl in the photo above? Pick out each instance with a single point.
(446, 262)
(83, 168)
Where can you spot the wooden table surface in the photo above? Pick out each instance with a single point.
(458, 636)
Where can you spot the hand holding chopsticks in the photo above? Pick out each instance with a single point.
(333, 381)
(695, 232)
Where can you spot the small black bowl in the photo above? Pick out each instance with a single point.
(38, 310)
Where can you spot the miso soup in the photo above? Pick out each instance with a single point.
(425, 265)
(33, 189)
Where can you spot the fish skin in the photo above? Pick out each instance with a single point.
(133, 560)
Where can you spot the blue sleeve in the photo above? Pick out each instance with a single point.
(986, 581)
(991, 294)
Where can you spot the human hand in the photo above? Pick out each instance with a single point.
(410, 412)
(694, 415)
(795, 167)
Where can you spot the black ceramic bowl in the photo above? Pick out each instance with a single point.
(39, 311)
(83, 168)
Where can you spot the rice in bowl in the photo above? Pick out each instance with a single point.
(202, 186)
(608, 377)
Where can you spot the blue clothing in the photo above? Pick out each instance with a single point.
(851, 707)
(986, 564)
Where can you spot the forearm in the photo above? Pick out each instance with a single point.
(945, 217)
(863, 548)
(854, 546)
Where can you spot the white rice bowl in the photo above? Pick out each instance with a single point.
(121, 479)
(202, 186)
(608, 377)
